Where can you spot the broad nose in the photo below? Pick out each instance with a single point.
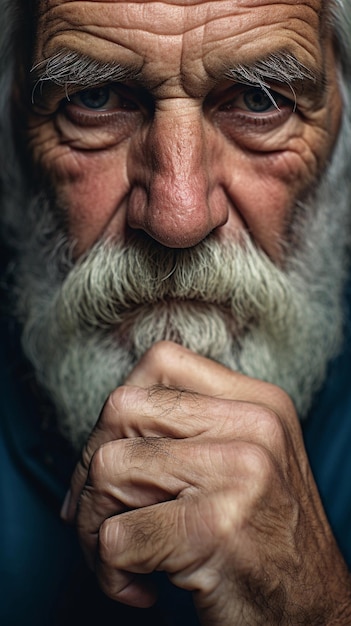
(174, 196)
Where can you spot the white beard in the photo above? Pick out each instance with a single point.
(85, 326)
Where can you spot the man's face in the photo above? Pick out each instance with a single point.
(185, 155)
(176, 142)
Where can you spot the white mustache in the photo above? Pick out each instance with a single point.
(114, 280)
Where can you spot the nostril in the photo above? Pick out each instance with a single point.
(137, 207)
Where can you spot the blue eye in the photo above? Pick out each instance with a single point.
(96, 98)
(257, 101)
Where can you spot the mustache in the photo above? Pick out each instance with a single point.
(113, 281)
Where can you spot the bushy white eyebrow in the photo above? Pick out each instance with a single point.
(69, 68)
(279, 68)
(72, 69)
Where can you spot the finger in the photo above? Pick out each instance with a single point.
(172, 365)
(133, 412)
(135, 544)
(132, 589)
(183, 541)
(124, 475)
(136, 473)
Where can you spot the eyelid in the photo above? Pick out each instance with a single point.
(132, 93)
(113, 87)
(273, 95)
(112, 102)
(49, 97)
(229, 92)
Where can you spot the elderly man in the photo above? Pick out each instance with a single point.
(175, 210)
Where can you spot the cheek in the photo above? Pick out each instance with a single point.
(95, 197)
(268, 185)
(263, 190)
(90, 184)
(91, 187)
(265, 184)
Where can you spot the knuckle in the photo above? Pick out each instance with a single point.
(102, 463)
(114, 405)
(163, 359)
(258, 465)
(283, 399)
(270, 427)
(159, 353)
(120, 407)
(107, 542)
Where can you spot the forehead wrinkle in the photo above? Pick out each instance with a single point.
(155, 18)
(179, 59)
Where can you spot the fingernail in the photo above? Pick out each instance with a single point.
(65, 506)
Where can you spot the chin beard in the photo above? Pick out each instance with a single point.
(85, 325)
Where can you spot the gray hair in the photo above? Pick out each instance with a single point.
(340, 16)
(12, 183)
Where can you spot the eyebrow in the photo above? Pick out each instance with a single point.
(282, 68)
(69, 68)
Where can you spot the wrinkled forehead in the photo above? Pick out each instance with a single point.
(187, 36)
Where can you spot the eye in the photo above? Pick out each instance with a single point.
(253, 118)
(257, 101)
(93, 98)
(113, 111)
(101, 99)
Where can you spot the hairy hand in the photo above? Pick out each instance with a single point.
(201, 472)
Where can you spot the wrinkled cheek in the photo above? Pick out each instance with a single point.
(91, 189)
(266, 195)
(89, 186)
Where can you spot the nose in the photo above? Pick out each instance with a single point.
(174, 197)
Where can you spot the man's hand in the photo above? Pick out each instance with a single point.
(201, 472)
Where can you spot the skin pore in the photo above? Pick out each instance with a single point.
(179, 148)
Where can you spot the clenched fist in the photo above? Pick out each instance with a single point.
(201, 472)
